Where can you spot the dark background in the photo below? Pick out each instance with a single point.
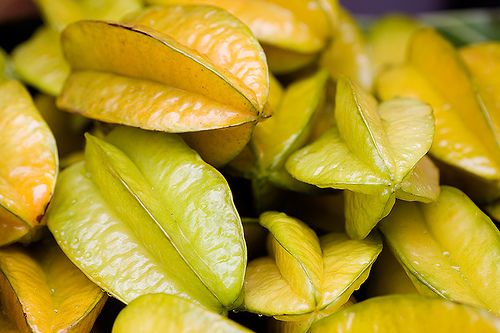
(413, 6)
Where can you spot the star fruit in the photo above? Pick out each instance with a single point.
(448, 248)
(466, 142)
(347, 54)
(305, 277)
(292, 32)
(150, 216)
(173, 77)
(59, 13)
(40, 61)
(375, 152)
(411, 314)
(274, 139)
(29, 165)
(167, 313)
(483, 62)
(288, 129)
(388, 39)
(42, 291)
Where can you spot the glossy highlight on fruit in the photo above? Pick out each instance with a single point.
(336, 137)
(465, 136)
(411, 314)
(44, 292)
(218, 36)
(375, 152)
(483, 63)
(130, 195)
(29, 165)
(216, 79)
(305, 274)
(292, 32)
(166, 313)
(277, 23)
(448, 248)
(183, 81)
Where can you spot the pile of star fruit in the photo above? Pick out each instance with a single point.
(114, 171)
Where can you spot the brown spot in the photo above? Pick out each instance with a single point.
(46, 207)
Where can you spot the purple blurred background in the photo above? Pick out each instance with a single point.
(415, 6)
